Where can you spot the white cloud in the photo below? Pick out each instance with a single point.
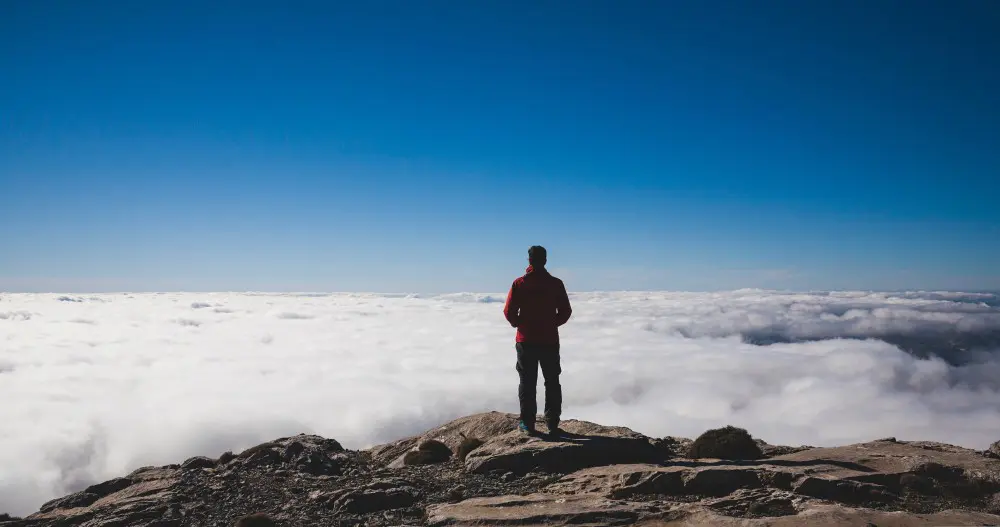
(103, 384)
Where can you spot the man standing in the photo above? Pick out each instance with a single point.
(537, 305)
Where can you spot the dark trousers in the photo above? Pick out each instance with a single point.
(529, 358)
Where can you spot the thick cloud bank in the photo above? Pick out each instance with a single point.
(95, 386)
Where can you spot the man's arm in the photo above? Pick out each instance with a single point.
(512, 309)
(563, 306)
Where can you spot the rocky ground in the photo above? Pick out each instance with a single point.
(490, 474)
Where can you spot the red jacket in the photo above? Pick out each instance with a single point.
(537, 305)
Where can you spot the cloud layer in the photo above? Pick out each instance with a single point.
(95, 386)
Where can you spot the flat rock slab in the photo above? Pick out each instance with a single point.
(150, 486)
(888, 457)
(538, 510)
(823, 515)
(623, 481)
(582, 445)
(863, 476)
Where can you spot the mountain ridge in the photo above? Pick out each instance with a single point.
(479, 470)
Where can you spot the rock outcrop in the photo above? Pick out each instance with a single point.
(725, 443)
(479, 470)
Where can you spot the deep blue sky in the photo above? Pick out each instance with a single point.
(423, 146)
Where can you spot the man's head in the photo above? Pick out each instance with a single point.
(537, 256)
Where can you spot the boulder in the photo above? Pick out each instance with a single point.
(729, 443)
(467, 445)
(428, 452)
(72, 501)
(672, 446)
(308, 454)
(379, 496)
(198, 462)
(484, 426)
(994, 450)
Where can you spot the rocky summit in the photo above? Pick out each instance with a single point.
(479, 470)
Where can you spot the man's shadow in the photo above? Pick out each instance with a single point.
(580, 439)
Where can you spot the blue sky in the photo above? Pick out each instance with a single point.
(423, 146)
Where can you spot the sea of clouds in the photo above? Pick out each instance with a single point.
(94, 386)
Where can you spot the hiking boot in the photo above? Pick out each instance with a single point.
(526, 428)
(554, 430)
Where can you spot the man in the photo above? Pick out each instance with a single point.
(537, 305)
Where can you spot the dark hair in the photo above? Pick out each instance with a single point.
(537, 254)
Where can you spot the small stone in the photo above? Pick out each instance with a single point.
(508, 477)
(457, 493)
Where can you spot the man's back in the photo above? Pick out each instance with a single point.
(537, 305)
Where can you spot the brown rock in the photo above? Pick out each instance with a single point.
(467, 445)
(755, 503)
(428, 452)
(374, 499)
(583, 445)
(672, 446)
(198, 462)
(623, 481)
(844, 491)
(720, 481)
(483, 426)
(588, 477)
(72, 501)
(728, 442)
(818, 514)
(538, 510)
